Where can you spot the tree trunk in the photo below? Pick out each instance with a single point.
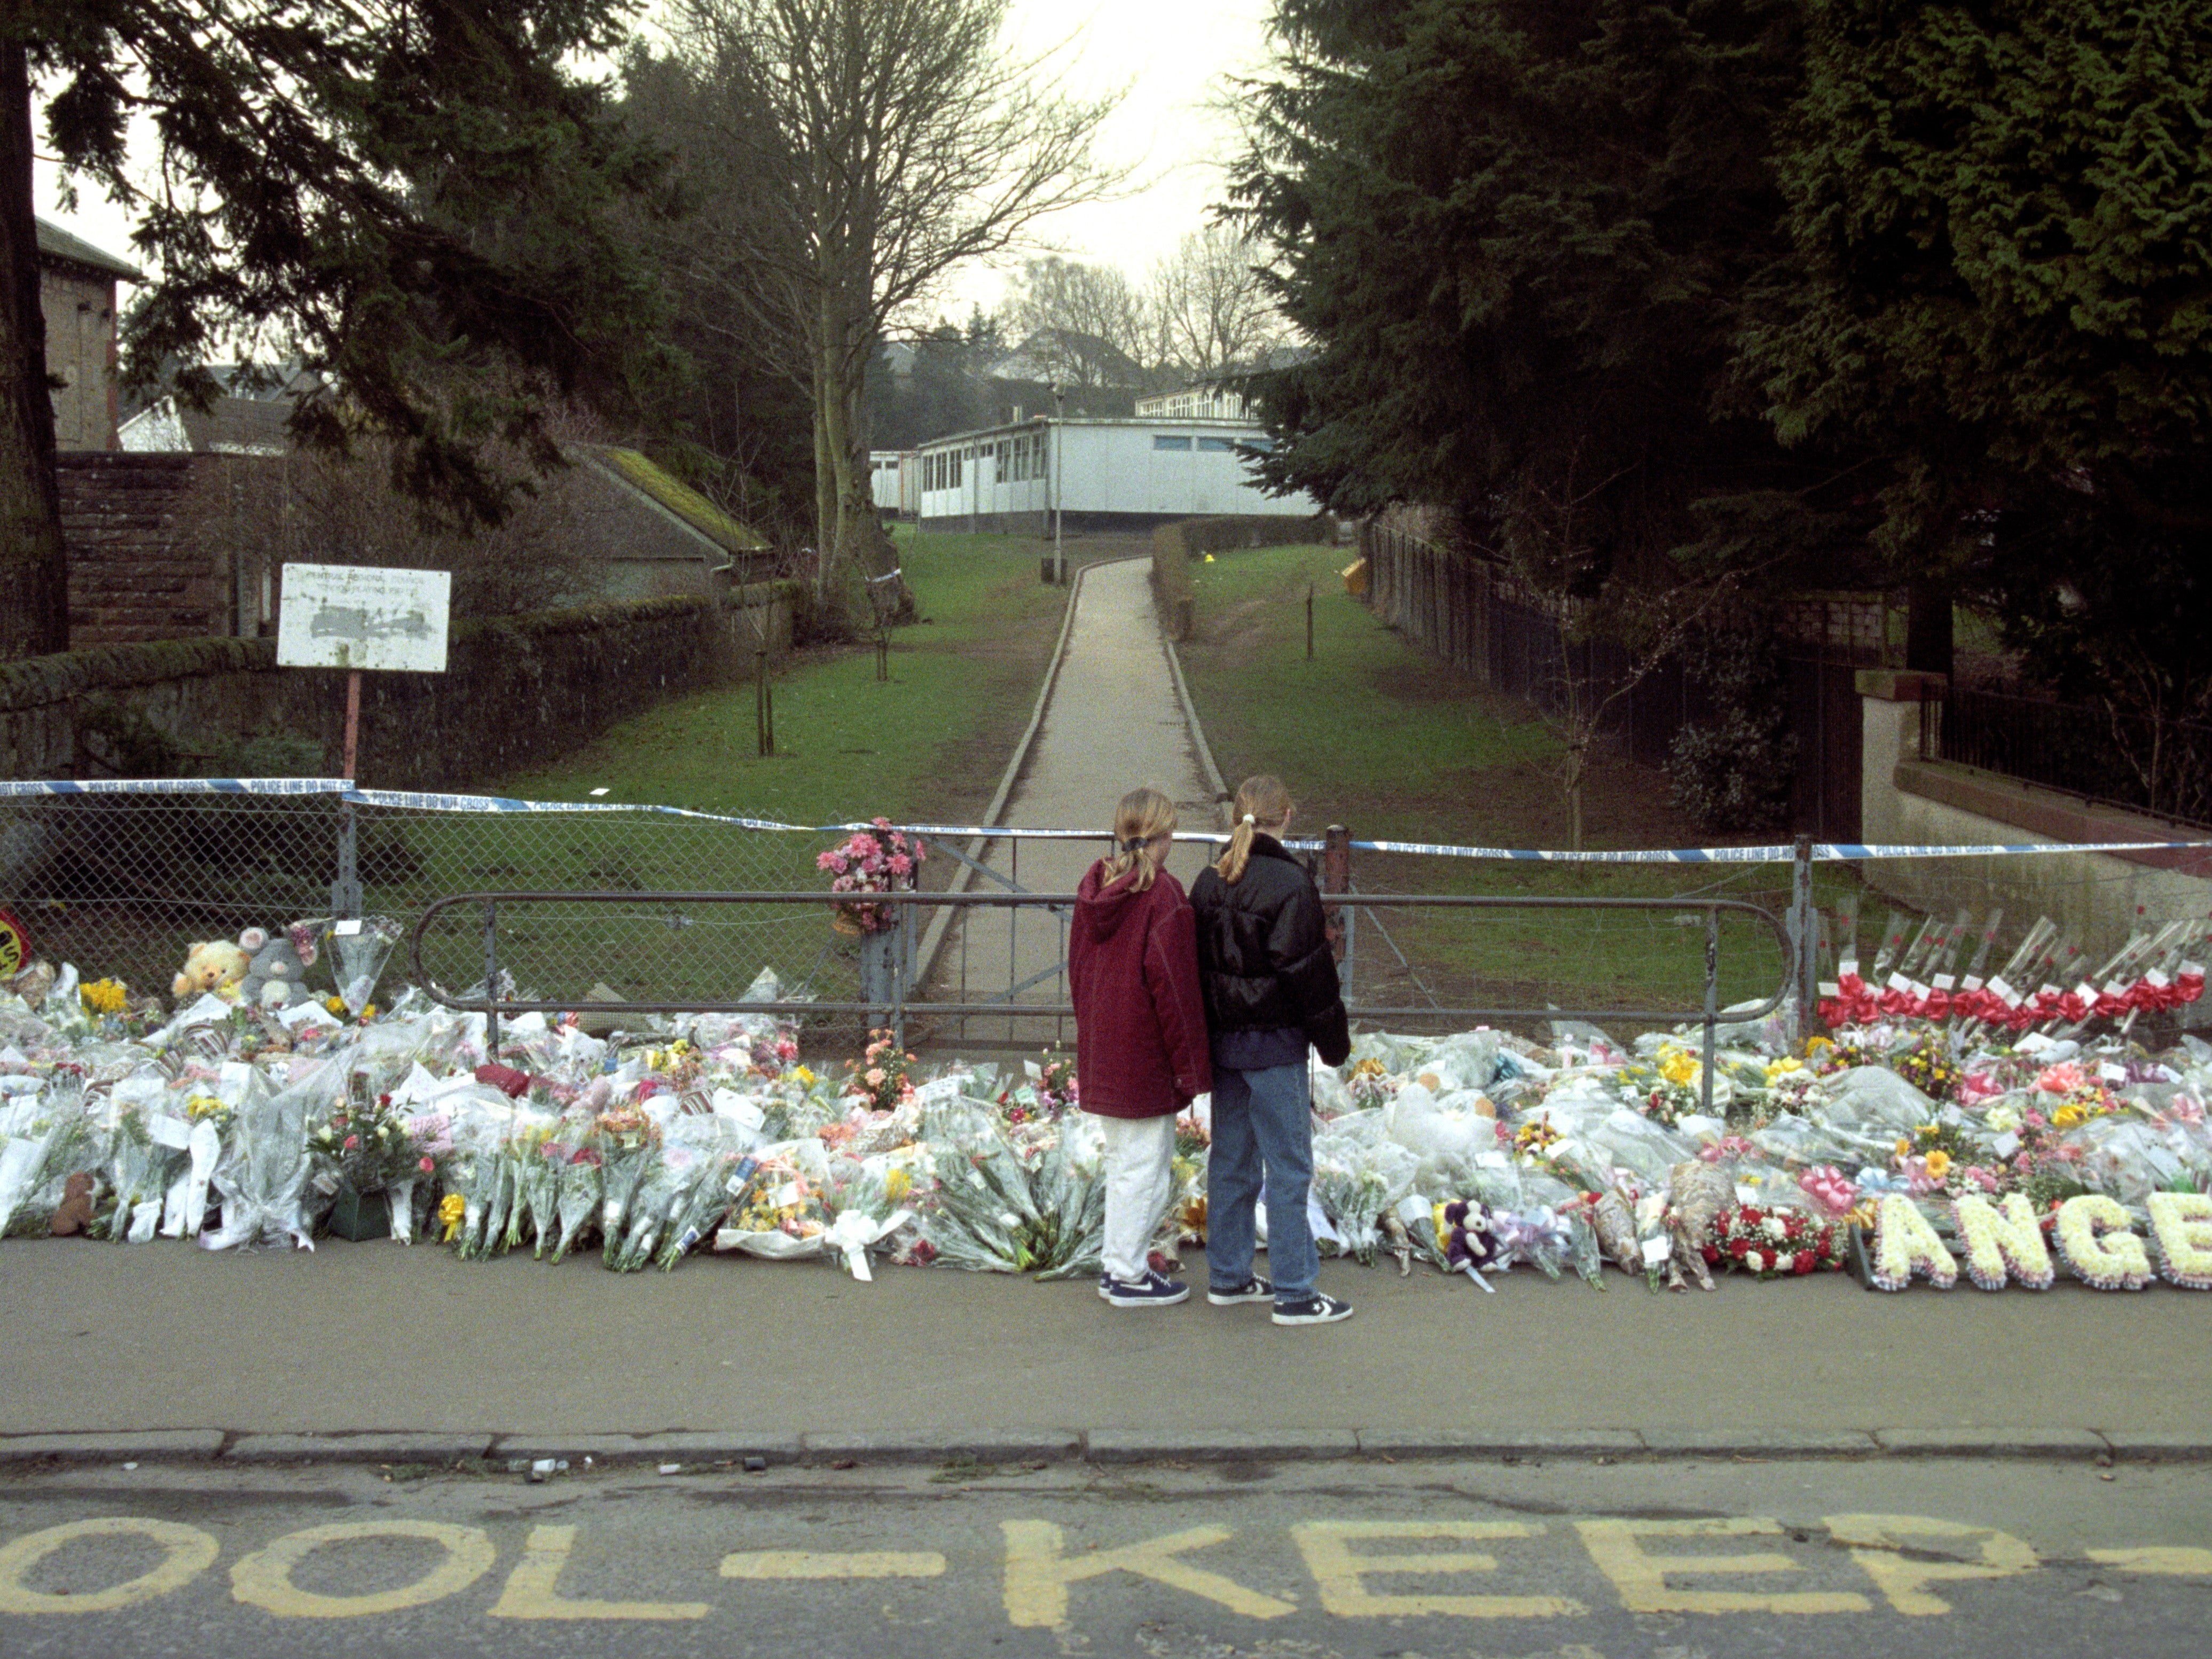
(33, 565)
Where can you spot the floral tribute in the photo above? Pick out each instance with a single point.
(882, 1077)
(2004, 1243)
(2181, 1227)
(1774, 1243)
(875, 860)
(1905, 1245)
(369, 1148)
(2098, 1242)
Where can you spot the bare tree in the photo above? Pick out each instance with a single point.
(1086, 325)
(1214, 312)
(879, 143)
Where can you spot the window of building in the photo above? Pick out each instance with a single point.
(1162, 441)
(1218, 446)
(1265, 446)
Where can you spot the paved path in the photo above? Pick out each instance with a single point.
(1113, 724)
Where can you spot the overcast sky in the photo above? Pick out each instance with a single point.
(1171, 56)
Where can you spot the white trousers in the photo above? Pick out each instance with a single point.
(1139, 1180)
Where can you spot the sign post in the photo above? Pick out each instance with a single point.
(362, 617)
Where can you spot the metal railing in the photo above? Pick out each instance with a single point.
(894, 1002)
(2096, 754)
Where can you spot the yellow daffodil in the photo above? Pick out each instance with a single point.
(1679, 1066)
(805, 1076)
(1781, 1068)
(2072, 1115)
(103, 996)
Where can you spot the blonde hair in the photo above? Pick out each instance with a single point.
(1262, 802)
(1143, 814)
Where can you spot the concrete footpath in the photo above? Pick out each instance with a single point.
(785, 1361)
(1112, 723)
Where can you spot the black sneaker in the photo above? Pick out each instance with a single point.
(1152, 1290)
(1105, 1285)
(1255, 1288)
(1315, 1310)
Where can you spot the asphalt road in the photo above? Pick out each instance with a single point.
(1577, 1560)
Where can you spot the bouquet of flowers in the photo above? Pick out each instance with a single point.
(145, 1162)
(44, 1139)
(729, 1173)
(876, 860)
(263, 1188)
(574, 1155)
(1670, 1089)
(1371, 1084)
(1355, 1183)
(629, 1143)
(882, 1077)
(366, 1148)
(1774, 1243)
(779, 1213)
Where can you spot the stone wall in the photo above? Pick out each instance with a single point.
(517, 691)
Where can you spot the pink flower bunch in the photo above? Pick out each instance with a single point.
(1976, 1085)
(877, 859)
(1829, 1187)
(2063, 1078)
(1726, 1149)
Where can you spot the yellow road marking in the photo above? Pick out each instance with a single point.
(186, 1552)
(1039, 1571)
(2170, 1561)
(1326, 1546)
(264, 1579)
(533, 1589)
(1875, 1547)
(1642, 1579)
(857, 1564)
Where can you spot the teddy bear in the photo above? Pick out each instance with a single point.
(276, 976)
(214, 964)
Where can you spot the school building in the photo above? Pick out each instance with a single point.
(1097, 474)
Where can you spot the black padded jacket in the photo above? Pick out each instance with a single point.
(1263, 958)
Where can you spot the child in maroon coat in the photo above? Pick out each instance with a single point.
(1141, 1053)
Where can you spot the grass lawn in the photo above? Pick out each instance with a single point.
(926, 745)
(1373, 735)
(928, 742)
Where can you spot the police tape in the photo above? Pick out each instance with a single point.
(423, 801)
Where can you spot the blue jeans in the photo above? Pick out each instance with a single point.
(1261, 1120)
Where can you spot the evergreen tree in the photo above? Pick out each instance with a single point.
(2004, 211)
(1518, 234)
(416, 196)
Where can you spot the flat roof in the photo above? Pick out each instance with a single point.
(1147, 422)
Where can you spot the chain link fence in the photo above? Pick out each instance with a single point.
(121, 878)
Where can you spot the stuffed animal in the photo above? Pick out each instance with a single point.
(1696, 1192)
(74, 1214)
(276, 977)
(216, 964)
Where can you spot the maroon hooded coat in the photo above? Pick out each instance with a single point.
(1139, 1019)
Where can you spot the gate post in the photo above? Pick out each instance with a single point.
(1336, 877)
(1804, 937)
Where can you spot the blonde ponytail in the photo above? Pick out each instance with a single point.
(1142, 815)
(1262, 805)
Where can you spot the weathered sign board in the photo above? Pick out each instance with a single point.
(358, 617)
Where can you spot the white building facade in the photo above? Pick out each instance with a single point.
(1097, 474)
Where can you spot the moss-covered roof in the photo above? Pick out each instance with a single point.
(679, 498)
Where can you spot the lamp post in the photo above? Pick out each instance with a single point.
(1059, 413)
